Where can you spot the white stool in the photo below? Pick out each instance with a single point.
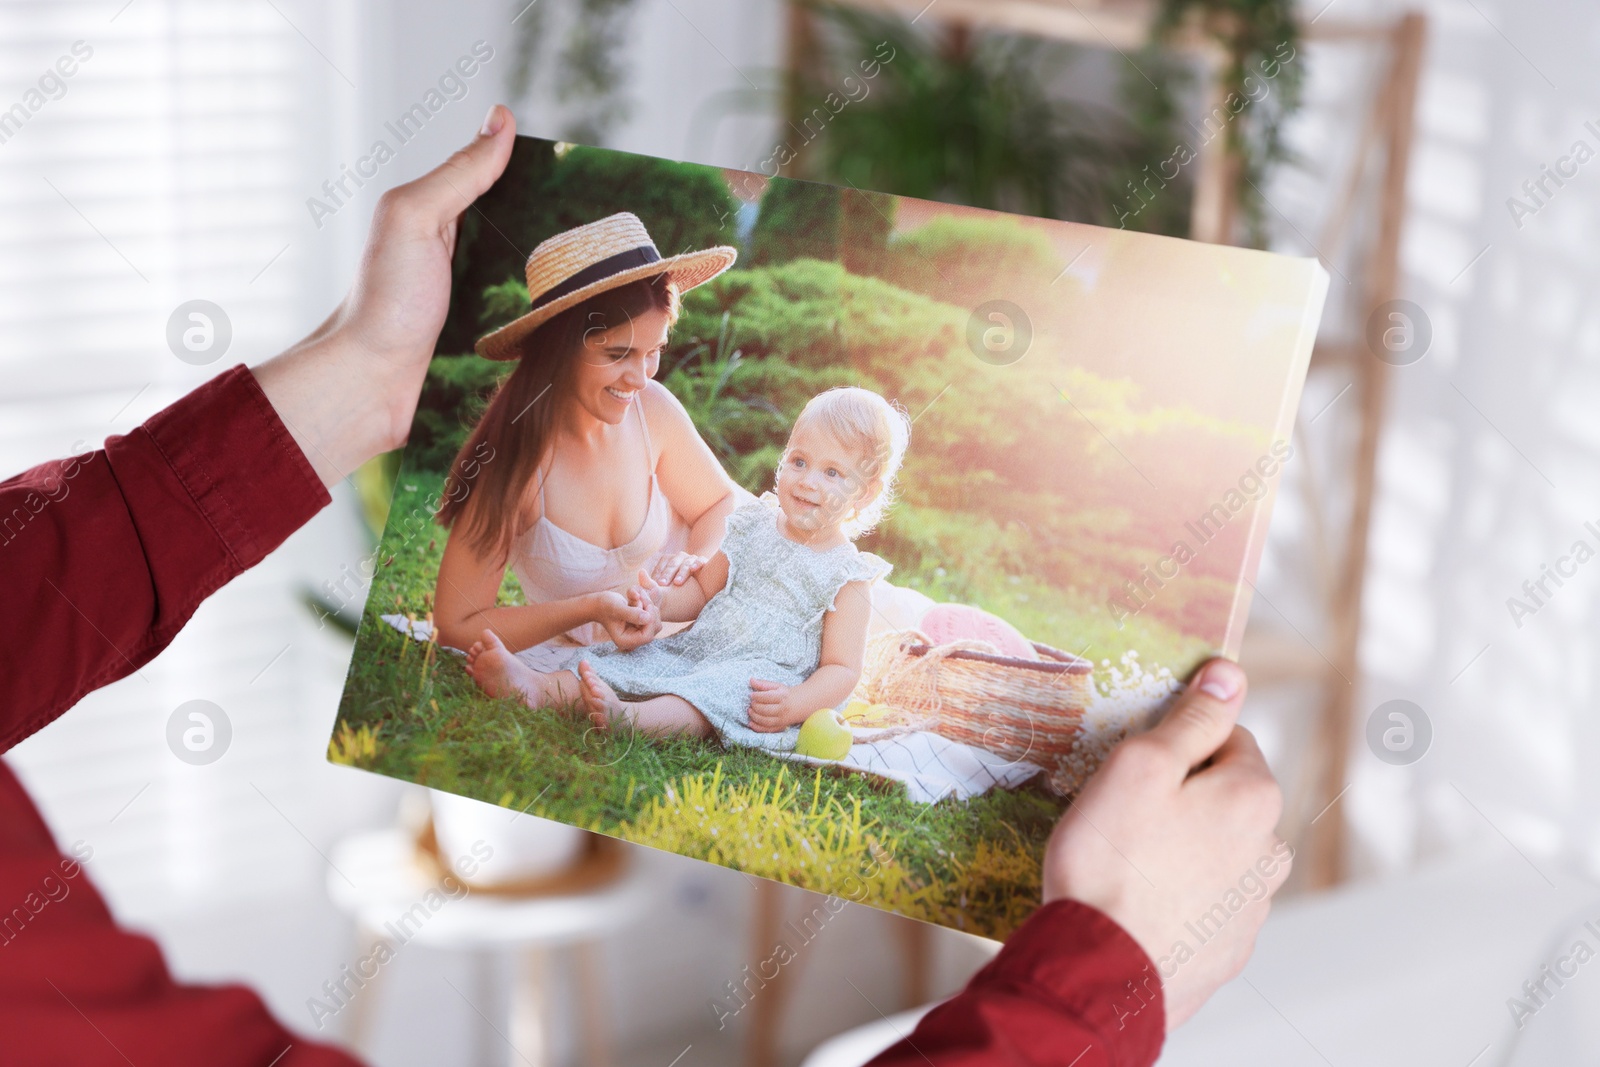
(379, 879)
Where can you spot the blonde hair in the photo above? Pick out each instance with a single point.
(875, 429)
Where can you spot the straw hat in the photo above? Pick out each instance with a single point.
(576, 264)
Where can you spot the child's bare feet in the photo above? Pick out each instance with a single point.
(497, 672)
(598, 700)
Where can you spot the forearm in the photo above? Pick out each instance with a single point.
(107, 555)
(827, 687)
(682, 603)
(706, 535)
(520, 626)
(1070, 988)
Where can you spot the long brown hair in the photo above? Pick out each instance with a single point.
(492, 474)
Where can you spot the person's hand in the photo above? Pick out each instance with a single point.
(678, 567)
(771, 707)
(349, 390)
(627, 623)
(1176, 832)
(641, 597)
(648, 590)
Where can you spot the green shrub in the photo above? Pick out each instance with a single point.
(969, 260)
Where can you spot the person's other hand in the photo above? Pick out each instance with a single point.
(650, 600)
(1177, 831)
(769, 706)
(349, 390)
(649, 591)
(678, 568)
(627, 622)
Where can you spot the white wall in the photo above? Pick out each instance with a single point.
(1487, 469)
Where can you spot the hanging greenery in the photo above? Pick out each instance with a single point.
(964, 120)
(1259, 87)
(981, 122)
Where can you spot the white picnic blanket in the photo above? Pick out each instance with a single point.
(931, 766)
(421, 629)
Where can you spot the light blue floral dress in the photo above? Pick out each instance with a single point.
(765, 623)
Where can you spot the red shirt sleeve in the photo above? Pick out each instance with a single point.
(106, 555)
(1070, 988)
(76, 988)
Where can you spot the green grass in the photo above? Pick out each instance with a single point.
(972, 865)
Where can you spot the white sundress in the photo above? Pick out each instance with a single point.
(766, 622)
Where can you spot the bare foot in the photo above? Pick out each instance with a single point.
(598, 700)
(497, 672)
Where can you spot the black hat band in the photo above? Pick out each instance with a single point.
(623, 261)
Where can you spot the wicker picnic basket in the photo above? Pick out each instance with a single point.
(1021, 709)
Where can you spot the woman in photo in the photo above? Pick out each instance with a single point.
(585, 470)
(780, 613)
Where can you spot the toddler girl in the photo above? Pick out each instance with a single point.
(780, 612)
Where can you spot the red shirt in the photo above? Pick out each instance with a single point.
(106, 556)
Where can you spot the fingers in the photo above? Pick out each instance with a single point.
(766, 718)
(448, 189)
(1278, 873)
(650, 584)
(674, 571)
(766, 705)
(1240, 752)
(1203, 718)
(628, 615)
(1251, 799)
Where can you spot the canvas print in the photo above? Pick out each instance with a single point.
(824, 534)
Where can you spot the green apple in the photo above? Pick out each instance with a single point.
(824, 736)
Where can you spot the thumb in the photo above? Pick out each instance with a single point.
(448, 189)
(1204, 716)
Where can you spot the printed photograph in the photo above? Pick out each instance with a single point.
(824, 534)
